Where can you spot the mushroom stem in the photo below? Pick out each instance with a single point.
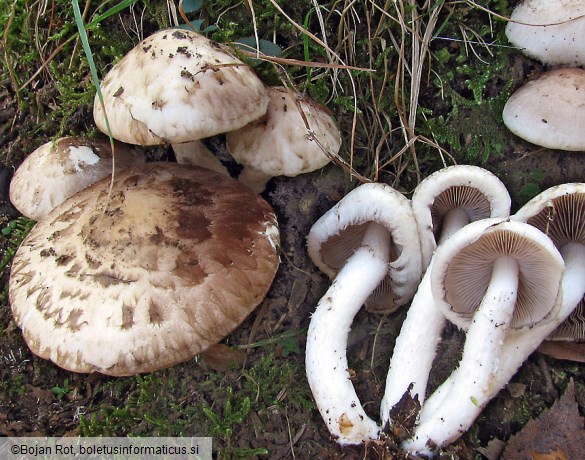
(254, 179)
(472, 382)
(196, 153)
(416, 345)
(518, 346)
(454, 220)
(326, 359)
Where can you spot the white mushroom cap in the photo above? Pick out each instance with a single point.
(334, 237)
(474, 190)
(59, 169)
(177, 86)
(289, 140)
(549, 111)
(463, 265)
(551, 31)
(169, 265)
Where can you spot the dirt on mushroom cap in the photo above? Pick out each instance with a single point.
(177, 86)
(150, 278)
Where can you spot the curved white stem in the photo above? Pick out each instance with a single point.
(326, 359)
(416, 345)
(518, 346)
(473, 381)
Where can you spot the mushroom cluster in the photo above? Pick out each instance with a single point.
(548, 111)
(178, 87)
(509, 282)
(148, 268)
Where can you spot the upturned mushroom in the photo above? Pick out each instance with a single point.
(61, 168)
(548, 111)
(178, 87)
(145, 277)
(444, 202)
(297, 135)
(560, 213)
(498, 280)
(549, 31)
(365, 243)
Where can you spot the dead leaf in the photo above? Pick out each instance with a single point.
(570, 351)
(222, 358)
(557, 434)
(557, 455)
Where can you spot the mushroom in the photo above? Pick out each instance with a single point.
(61, 168)
(179, 87)
(444, 202)
(297, 135)
(365, 242)
(550, 31)
(549, 111)
(497, 279)
(145, 277)
(560, 213)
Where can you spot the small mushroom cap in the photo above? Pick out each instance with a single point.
(59, 169)
(551, 31)
(549, 111)
(478, 192)
(280, 144)
(174, 262)
(462, 269)
(177, 86)
(335, 236)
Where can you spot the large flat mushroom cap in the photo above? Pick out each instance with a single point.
(550, 111)
(172, 264)
(177, 86)
(57, 170)
(551, 31)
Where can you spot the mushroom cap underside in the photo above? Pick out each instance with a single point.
(336, 235)
(177, 86)
(462, 269)
(169, 265)
(61, 168)
(478, 192)
(559, 212)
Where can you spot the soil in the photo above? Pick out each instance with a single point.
(287, 426)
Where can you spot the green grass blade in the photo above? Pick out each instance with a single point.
(89, 55)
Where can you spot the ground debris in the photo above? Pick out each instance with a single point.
(556, 434)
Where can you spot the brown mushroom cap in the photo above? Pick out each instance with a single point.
(178, 86)
(59, 169)
(174, 261)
